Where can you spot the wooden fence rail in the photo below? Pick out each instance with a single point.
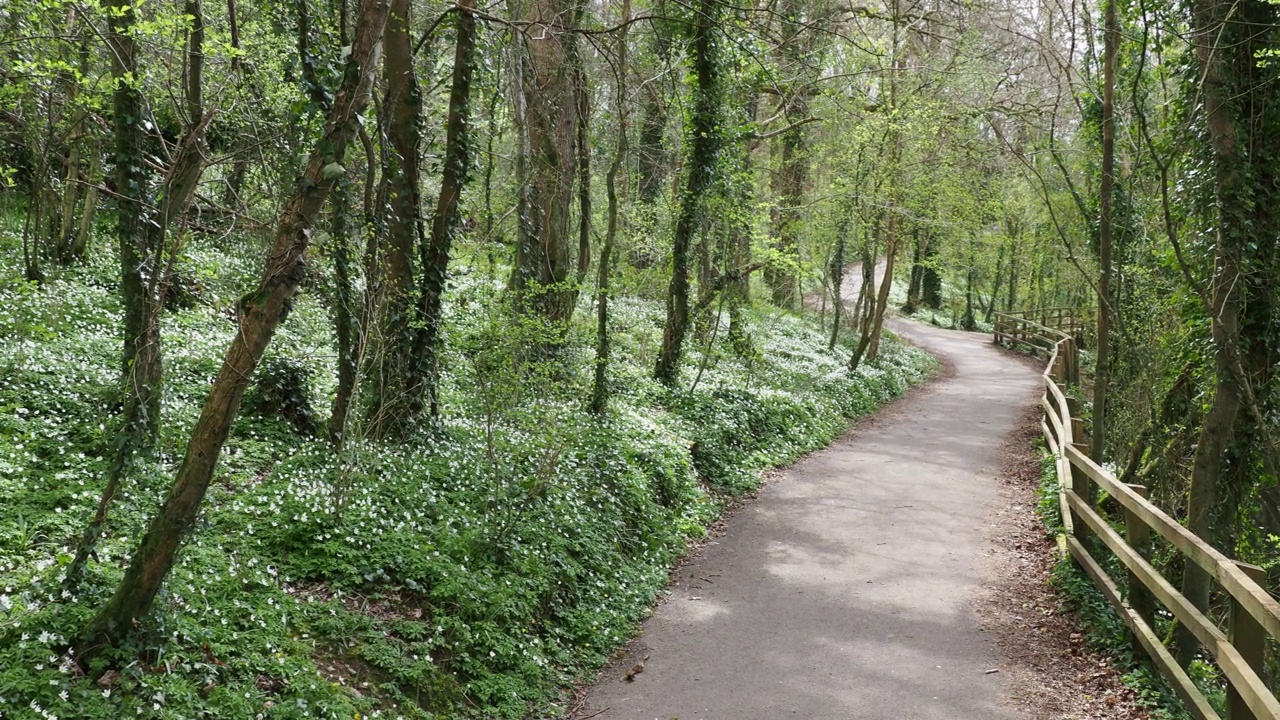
(1021, 330)
(1240, 648)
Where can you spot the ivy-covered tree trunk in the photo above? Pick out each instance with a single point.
(259, 314)
(142, 360)
(546, 116)
(139, 425)
(445, 221)
(600, 384)
(791, 172)
(397, 386)
(704, 147)
(1102, 352)
(1242, 120)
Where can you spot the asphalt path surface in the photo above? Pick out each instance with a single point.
(845, 590)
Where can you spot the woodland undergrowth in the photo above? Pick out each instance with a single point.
(479, 569)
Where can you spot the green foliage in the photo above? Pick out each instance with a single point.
(282, 390)
(476, 571)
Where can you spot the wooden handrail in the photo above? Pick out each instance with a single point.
(1238, 650)
(1018, 330)
(1256, 600)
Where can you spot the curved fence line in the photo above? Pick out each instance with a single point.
(1240, 648)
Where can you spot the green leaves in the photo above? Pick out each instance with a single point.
(332, 171)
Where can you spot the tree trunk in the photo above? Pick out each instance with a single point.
(895, 156)
(996, 283)
(930, 278)
(865, 305)
(582, 94)
(600, 385)
(1011, 296)
(1243, 141)
(837, 279)
(547, 116)
(259, 314)
(704, 144)
(397, 388)
(64, 241)
(1102, 370)
(651, 154)
(789, 180)
(343, 318)
(446, 220)
(916, 281)
(882, 297)
(969, 322)
(89, 206)
(141, 358)
(791, 172)
(139, 426)
(343, 292)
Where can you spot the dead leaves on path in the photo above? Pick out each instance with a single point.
(1053, 674)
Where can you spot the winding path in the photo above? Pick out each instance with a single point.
(845, 591)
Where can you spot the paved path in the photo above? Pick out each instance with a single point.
(844, 590)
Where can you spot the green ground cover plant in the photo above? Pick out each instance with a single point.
(478, 570)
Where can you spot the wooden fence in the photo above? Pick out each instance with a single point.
(1022, 330)
(1254, 616)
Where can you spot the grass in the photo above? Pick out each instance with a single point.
(476, 571)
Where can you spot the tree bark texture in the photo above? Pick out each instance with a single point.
(142, 360)
(259, 314)
(1102, 353)
(397, 386)
(704, 145)
(445, 221)
(791, 172)
(1242, 120)
(139, 426)
(547, 104)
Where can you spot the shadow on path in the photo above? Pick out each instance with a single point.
(844, 590)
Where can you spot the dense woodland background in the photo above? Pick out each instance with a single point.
(377, 357)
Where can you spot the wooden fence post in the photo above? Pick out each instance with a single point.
(1138, 535)
(1081, 485)
(1249, 637)
(1072, 354)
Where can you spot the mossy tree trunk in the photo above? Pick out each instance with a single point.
(446, 220)
(600, 380)
(397, 385)
(703, 148)
(142, 393)
(547, 117)
(259, 314)
(1242, 123)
